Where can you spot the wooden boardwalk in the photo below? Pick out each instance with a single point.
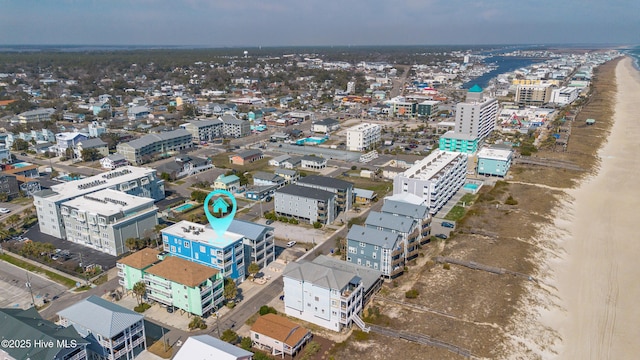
(482, 267)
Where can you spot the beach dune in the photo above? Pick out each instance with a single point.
(598, 280)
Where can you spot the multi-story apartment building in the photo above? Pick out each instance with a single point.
(232, 127)
(131, 180)
(204, 130)
(407, 228)
(202, 244)
(306, 204)
(114, 332)
(363, 137)
(183, 284)
(416, 212)
(143, 150)
(376, 249)
(343, 189)
(475, 120)
(564, 95)
(131, 269)
(328, 292)
(19, 324)
(427, 107)
(105, 219)
(35, 116)
(435, 178)
(538, 94)
(258, 242)
(402, 108)
(494, 162)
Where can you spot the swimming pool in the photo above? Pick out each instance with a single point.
(20, 165)
(313, 140)
(471, 186)
(183, 207)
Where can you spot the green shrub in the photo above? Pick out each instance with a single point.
(411, 294)
(317, 225)
(141, 308)
(264, 310)
(511, 201)
(359, 335)
(229, 336)
(446, 266)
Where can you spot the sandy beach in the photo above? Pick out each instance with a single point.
(597, 271)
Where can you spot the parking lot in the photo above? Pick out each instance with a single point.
(89, 256)
(14, 292)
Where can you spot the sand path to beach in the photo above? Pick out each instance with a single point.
(599, 281)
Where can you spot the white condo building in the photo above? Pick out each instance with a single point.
(435, 178)
(362, 137)
(105, 219)
(127, 179)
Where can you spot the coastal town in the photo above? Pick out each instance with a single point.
(362, 186)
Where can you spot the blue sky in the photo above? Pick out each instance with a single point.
(318, 22)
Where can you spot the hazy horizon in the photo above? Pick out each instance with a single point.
(287, 23)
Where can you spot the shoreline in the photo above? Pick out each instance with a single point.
(586, 306)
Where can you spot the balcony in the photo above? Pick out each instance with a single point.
(120, 265)
(120, 274)
(397, 251)
(156, 281)
(413, 252)
(396, 271)
(205, 290)
(122, 282)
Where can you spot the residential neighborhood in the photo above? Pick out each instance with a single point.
(350, 177)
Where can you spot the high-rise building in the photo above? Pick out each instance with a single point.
(475, 120)
(362, 137)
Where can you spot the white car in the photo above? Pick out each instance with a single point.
(291, 243)
(4, 211)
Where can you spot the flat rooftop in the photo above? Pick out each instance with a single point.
(94, 183)
(433, 164)
(202, 233)
(495, 154)
(108, 202)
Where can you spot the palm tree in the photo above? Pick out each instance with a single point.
(253, 269)
(13, 220)
(139, 289)
(131, 243)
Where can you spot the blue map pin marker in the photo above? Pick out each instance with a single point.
(221, 224)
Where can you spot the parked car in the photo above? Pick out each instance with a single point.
(291, 243)
(448, 225)
(441, 236)
(4, 211)
(269, 222)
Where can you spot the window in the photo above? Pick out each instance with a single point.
(186, 244)
(353, 250)
(173, 248)
(317, 298)
(362, 244)
(256, 336)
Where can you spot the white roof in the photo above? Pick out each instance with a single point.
(495, 154)
(433, 164)
(206, 347)
(108, 202)
(203, 234)
(72, 189)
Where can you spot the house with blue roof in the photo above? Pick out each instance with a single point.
(230, 183)
(113, 332)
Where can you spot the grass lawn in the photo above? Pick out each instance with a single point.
(27, 266)
(179, 182)
(158, 349)
(221, 161)
(380, 187)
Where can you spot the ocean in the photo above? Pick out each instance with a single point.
(635, 53)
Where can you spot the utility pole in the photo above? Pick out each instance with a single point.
(33, 300)
(84, 273)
